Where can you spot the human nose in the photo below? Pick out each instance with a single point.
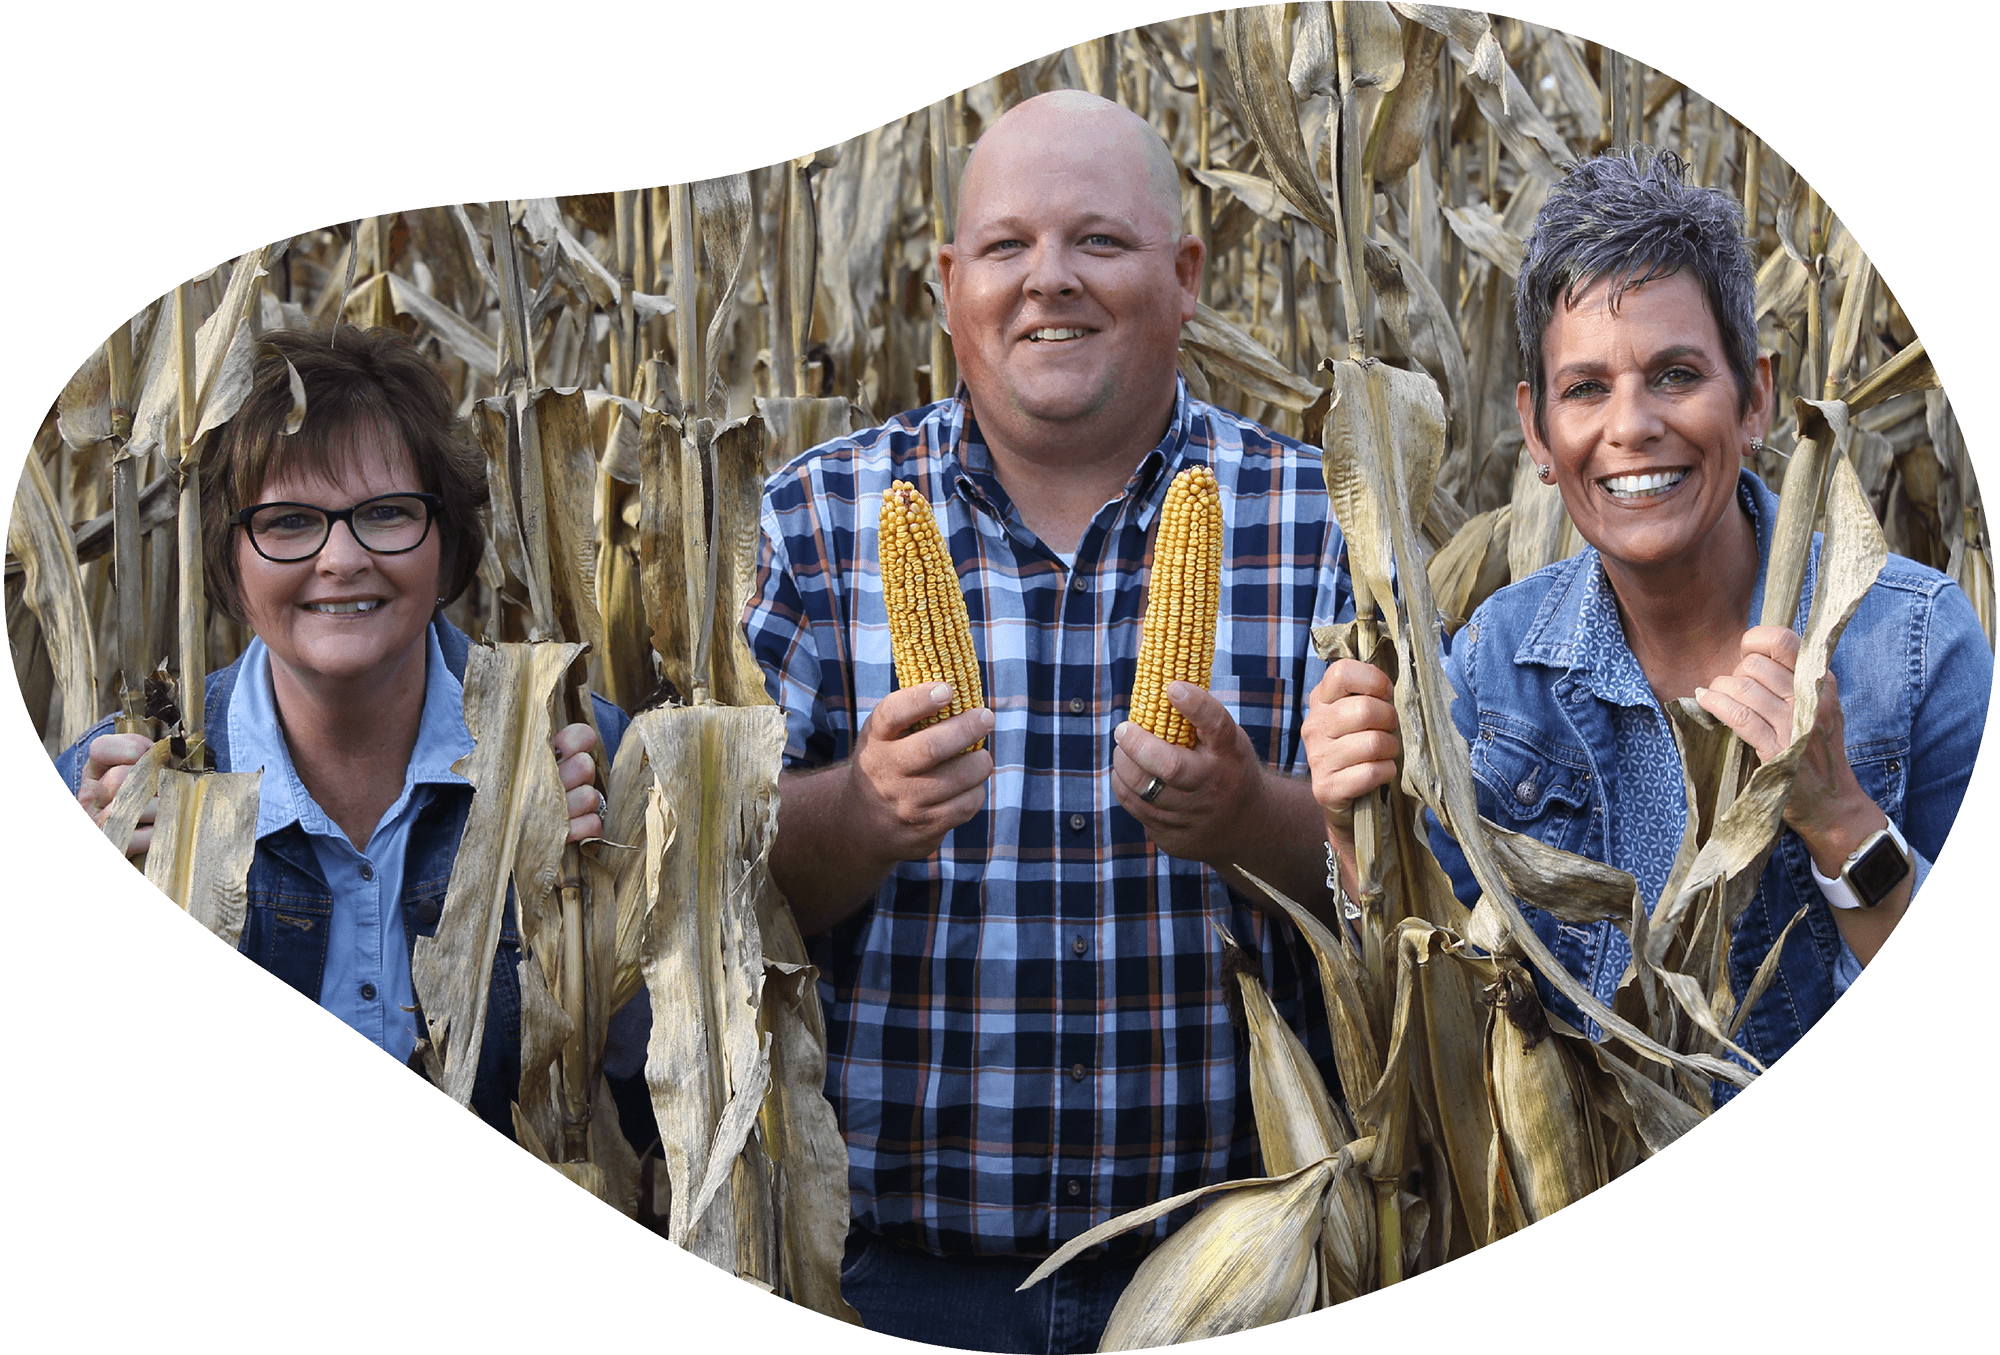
(343, 552)
(1632, 415)
(1051, 271)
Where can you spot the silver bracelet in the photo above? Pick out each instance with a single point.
(1348, 908)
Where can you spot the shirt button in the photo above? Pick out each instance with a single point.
(367, 992)
(1076, 705)
(428, 913)
(1076, 1072)
(367, 871)
(1525, 792)
(1079, 945)
(1076, 822)
(1079, 583)
(1075, 1188)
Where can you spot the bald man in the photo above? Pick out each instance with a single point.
(1018, 946)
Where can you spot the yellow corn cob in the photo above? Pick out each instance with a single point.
(1178, 643)
(930, 636)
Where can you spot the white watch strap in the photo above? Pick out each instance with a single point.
(1838, 892)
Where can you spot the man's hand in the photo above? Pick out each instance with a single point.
(574, 764)
(841, 830)
(1206, 791)
(1351, 743)
(912, 786)
(111, 759)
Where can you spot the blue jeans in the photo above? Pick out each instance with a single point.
(969, 1301)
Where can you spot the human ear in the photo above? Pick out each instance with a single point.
(1524, 407)
(1188, 258)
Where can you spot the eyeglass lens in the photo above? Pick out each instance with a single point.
(296, 531)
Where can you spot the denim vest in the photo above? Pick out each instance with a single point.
(290, 903)
(1914, 670)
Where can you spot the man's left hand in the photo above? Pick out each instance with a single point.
(1205, 791)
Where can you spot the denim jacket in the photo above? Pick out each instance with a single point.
(1532, 668)
(290, 902)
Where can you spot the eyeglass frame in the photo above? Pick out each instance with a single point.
(431, 502)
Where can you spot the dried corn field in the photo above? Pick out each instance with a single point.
(599, 308)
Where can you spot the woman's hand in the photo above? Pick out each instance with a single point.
(111, 759)
(1351, 742)
(573, 745)
(1827, 808)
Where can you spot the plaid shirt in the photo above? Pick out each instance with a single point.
(1027, 1032)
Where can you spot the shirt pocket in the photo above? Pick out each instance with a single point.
(1534, 786)
(1256, 698)
(286, 934)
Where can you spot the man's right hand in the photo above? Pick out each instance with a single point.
(841, 830)
(111, 759)
(915, 785)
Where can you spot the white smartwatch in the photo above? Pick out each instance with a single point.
(1871, 873)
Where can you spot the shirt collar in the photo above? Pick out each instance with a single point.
(257, 740)
(1580, 605)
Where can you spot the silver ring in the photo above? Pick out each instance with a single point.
(1152, 790)
(603, 808)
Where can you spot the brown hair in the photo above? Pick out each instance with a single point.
(353, 379)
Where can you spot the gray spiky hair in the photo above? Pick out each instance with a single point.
(1632, 216)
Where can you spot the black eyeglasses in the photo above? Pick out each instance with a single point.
(388, 524)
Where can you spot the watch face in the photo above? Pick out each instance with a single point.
(1880, 869)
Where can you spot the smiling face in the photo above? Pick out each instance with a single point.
(345, 622)
(1068, 280)
(1645, 426)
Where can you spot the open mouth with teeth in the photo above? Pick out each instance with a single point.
(343, 608)
(1055, 334)
(1631, 487)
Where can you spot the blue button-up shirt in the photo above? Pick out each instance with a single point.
(1027, 1032)
(367, 978)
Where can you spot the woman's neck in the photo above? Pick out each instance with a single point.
(351, 747)
(1685, 623)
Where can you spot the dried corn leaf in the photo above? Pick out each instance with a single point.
(203, 839)
(38, 537)
(663, 573)
(801, 1134)
(1232, 356)
(1203, 1281)
(706, 1064)
(1554, 1156)
(1256, 42)
(1480, 229)
(140, 788)
(557, 521)
(470, 346)
(1472, 566)
(1404, 121)
(514, 834)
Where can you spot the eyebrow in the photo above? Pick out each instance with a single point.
(1671, 353)
(1014, 224)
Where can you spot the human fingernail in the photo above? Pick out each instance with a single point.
(1700, 692)
(941, 693)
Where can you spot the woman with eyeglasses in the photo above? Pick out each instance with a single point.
(339, 545)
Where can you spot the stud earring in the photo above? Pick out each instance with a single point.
(1756, 444)
(1546, 474)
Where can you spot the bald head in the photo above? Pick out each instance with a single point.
(1077, 121)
